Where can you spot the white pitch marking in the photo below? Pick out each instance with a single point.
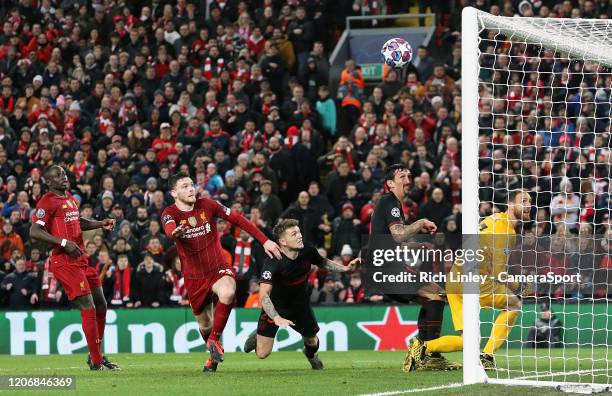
(418, 390)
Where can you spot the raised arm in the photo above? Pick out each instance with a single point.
(268, 306)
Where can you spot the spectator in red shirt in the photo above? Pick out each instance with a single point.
(164, 143)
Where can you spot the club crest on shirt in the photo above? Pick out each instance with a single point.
(395, 212)
(40, 213)
(82, 285)
(203, 217)
(192, 221)
(183, 222)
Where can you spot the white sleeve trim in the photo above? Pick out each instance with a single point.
(227, 211)
(40, 222)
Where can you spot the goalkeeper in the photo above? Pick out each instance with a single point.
(497, 238)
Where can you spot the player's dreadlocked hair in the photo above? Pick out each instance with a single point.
(283, 226)
(172, 180)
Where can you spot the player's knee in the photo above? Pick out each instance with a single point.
(101, 305)
(84, 302)
(262, 354)
(435, 297)
(226, 296)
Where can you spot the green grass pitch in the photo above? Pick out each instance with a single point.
(288, 373)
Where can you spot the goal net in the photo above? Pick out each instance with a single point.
(536, 117)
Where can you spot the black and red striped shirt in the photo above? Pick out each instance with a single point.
(289, 278)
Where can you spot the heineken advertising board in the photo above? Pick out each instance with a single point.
(342, 328)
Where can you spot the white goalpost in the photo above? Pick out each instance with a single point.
(536, 110)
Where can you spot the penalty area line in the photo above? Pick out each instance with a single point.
(418, 390)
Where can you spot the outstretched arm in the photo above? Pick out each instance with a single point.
(271, 248)
(268, 306)
(332, 266)
(402, 232)
(90, 224)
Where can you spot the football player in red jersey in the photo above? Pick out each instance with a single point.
(191, 223)
(57, 221)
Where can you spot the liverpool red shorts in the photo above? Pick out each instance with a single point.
(77, 277)
(200, 290)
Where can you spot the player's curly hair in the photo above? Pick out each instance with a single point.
(283, 226)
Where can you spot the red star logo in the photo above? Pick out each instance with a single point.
(392, 333)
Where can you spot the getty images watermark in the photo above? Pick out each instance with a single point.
(392, 268)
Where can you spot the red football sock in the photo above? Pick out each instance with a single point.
(90, 328)
(222, 313)
(101, 319)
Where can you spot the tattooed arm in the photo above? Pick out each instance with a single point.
(268, 306)
(402, 232)
(332, 266)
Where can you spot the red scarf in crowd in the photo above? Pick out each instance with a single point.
(371, 7)
(242, 249)
(121, 286)
(356, 297)
(241, 74)
(454, 156)
(7, 104)
(455, 192)
(208, 69)
(32, 267)
(247, 139)
(380, 140)
(179, 292)
(49, 283)
(347, 156)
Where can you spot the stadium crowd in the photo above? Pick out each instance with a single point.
(124, 94)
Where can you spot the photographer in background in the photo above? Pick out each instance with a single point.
(547, 332)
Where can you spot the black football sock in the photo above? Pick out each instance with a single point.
(205, 334)
(421, 324)
(434, 316)
(310, 351)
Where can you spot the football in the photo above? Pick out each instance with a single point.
(396, 52)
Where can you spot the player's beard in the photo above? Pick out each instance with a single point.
(520, 213)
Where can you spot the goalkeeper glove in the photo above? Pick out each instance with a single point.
(525, 289)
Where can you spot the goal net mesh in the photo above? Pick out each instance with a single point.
(544, 127)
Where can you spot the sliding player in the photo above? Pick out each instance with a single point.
(57, 221)
(497, 238)
(285, 296)
(191, 223)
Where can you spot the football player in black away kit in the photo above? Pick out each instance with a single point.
(284, 293)
(388, 219)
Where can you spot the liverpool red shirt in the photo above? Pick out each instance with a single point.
(200, 249)
(60, 216)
